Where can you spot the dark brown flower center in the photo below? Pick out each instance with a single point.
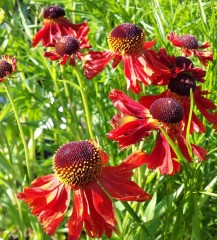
(181, 61)
(78, 162)
(189, 41)
(67, 45)
(126, 38)
(167, 110)
(53, 12)
(4, 68)
(182, 84)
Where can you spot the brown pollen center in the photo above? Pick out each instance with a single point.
(76, 163)
(67, 45)
(4, 68)
(53, 12)
(167, 110)
(126, 38)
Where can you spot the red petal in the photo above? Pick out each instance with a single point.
(135, 160)
(126, 104)
(96, 62)
(161, 157)
(48, 199)
(120, 187)
(76, 220)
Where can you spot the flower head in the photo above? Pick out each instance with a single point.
(79, 167)
(69, 47)
(127, 45)
(190, 46)
(55, 25)
(138, 120)
(7, 66)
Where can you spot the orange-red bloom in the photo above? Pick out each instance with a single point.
(69, 47)
(55, 24)
(127, 45)
(191, 47)
(7, 66)
(79, 167)
(138, 120)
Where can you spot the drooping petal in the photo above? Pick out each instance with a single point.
(116, 181)
(99, 215)
(49, 200)
(75, 223)
(126, 104)
(135, 160)
(95, 62)
(161, 157)
(130, 133)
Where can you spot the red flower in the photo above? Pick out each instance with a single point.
(139, 120)
(55, 25)
(79, 166)
(191, 47)
(127, 44)
(7, 66)
(68, 47)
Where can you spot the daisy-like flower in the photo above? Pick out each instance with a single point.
(7, 66)
(68, 47)
(79, 167)
(55, 24)
(127, 45)
(190, 47)
(138, 120)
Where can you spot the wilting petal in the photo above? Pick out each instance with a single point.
(49, 200)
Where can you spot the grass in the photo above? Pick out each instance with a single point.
(50, 108)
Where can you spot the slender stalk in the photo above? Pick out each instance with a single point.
(20, 130)
(173, 145)
(84, 99)
(136, 218)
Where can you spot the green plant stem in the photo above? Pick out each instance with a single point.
(173, 145)
(20, 130)
(84, 99)
(136, 218)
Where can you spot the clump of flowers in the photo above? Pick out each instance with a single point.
(80, 167)
(190, 47)
(7, 66)
(55, 25)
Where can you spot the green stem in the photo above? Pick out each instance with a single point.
(136, 218)
(84, 99)
(173, 145)
(20, 129)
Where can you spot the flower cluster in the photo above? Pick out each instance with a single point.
(80, 166)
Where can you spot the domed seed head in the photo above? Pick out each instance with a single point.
(182, 84)
(126, 38)
(76, 163)
(167, 110)
(180, 61)
(66, 45)
(4, 68)
(53, 12)
(189, 41)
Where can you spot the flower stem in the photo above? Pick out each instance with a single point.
(173, 145)
(20, 129)
(136, 218)
(84, 99)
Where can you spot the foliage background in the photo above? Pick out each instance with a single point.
(51, 111)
